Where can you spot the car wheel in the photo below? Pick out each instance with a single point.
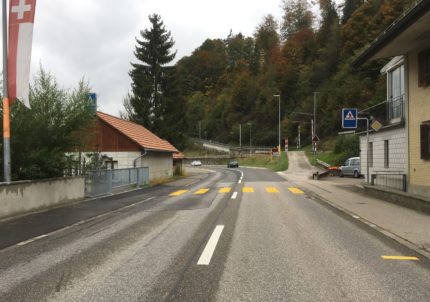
(356, 174)
(340, 173)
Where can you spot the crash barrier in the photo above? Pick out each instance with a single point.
(324, 164)
(102, 182)
(389, 179)
(21, 197)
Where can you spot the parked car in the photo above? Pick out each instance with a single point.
(351, 167)
(233, 164)
(196, 163)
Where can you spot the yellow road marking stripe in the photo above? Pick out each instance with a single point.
(224, 190)
(177, 193)
(296, 191)
(201, 191)
(399, 258)
(271, 190)
(248, 190)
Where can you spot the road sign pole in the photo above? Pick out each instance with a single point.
(367, 157)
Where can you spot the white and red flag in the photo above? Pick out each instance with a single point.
(21, 21)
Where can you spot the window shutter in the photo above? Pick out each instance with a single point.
(424, 134)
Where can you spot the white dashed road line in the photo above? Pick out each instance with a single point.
(206, 256)
(234, 195)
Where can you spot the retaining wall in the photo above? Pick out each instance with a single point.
(21, 197)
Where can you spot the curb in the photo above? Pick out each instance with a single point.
(420, 250)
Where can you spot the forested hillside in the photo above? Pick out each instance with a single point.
(231, 81)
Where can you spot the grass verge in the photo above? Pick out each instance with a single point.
(266, 161)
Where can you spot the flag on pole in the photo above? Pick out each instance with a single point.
(21, 21)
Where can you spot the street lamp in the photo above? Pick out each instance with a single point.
(250, 126)
(279, 121)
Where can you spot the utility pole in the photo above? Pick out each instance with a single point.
(250, 140)
(298, 141)
(312, 133)
(6, 103)
(240, 136)
(315, 121)
(279, 122)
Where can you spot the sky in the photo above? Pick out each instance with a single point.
(95, 39)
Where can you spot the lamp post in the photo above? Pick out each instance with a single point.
(279, 121)
(250, 126)
(240, 136)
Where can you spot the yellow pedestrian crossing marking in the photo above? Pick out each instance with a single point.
(201, 191)
(177, 193)
(296, 191)
(248, 190)
(271, 190)
(224, 190)
(399, 258)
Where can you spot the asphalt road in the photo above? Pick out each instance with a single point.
(247, 235)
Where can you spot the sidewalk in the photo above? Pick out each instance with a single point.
(407, 226)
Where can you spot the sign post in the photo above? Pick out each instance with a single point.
(349, 121)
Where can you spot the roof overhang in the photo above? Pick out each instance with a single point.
(408, 33)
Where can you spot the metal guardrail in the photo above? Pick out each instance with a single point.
(322, 163)
(389, 179)
(102, 182)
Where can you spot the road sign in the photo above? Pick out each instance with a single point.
(349, 118)
(376, 125)
(92, 98)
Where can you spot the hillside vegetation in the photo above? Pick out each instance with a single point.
(231, 81)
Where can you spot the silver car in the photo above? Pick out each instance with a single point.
(351, 167)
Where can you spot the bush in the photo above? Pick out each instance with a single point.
(349, 145)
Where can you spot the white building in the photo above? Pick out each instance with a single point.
(387, 149)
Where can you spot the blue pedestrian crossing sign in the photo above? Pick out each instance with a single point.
(349, 118)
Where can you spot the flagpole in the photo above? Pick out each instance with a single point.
(6, 105)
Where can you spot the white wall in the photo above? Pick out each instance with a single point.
(160, 164)
(397, 151)
(125, 159)
(22, 197)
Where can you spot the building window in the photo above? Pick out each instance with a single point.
(370, 154)
(425, 140)
(111, 164)
(386, 154)
(424, 68)
(396, 92)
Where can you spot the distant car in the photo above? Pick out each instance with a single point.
(233, 164)
(196, 163)
(351, 167)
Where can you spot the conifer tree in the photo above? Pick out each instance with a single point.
(146, 104)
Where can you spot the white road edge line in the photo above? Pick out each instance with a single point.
(234, 195)
(240, 180)
(76, 224)
(206, 256)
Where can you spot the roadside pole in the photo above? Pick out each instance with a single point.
(6, 103)
(240, 136)
(367, 148)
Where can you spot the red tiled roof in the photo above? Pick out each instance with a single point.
(178, 155)
(137, 133)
